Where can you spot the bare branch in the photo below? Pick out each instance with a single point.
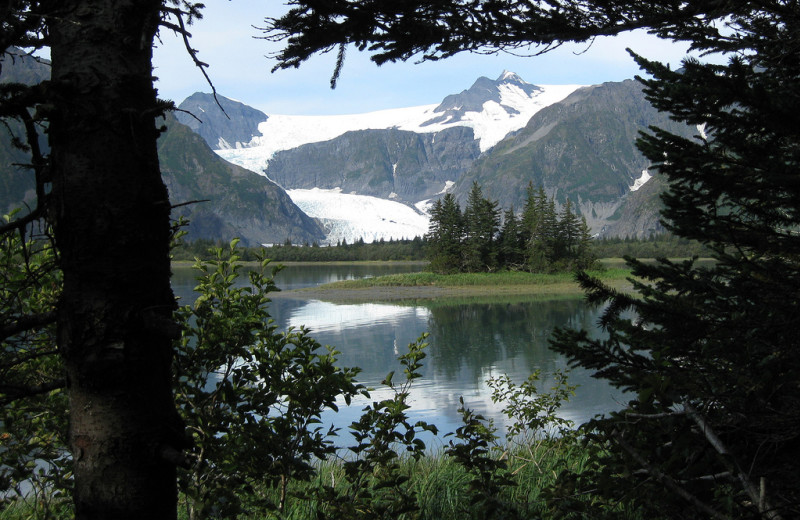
(662, 415)
(764, 507)
(185, 34)
(187, 203)
(11, 393)
(22, 222)
(27, 322)
(665, 479)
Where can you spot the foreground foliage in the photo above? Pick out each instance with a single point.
(251, 398)
(35, 466)
(713, 354)
(710, 353)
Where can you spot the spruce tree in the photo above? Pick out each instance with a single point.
(568, 231)
(510, 243)
(540, 249)
(585, 253)
(444, 235)
(481, 221)
(712, 357)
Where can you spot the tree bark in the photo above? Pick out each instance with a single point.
(111, 222)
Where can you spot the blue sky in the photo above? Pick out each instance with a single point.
(240, 69)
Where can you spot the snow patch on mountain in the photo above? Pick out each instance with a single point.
(351, 217)
(643, 178)
(490, 125)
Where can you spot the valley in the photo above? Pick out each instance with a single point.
(576, 141)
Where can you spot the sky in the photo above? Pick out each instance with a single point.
(240, 67)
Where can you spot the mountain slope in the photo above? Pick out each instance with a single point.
(491, 108)
(241, 203)
(582, 148)
(234, 127)
(17, 184)
(392, 164)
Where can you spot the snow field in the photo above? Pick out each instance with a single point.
(350, 217)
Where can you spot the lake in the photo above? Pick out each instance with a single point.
(469, 342)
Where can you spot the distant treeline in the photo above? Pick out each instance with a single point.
(663, 245)
(381, 250)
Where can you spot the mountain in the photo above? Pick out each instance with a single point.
(508, 92)
(391, 164)
(577, 142)
(231, 126)
(239, 203)
(500, 106)
(582, 147)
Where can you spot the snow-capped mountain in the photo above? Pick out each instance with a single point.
(490, 108)
(370, 169)
(371, 175)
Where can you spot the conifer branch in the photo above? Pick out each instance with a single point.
(666, 479)
(764, 507)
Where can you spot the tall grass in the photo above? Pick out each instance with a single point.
(502, 278)
(441, 486)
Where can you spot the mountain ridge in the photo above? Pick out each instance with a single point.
(242, 204)
(581, 146)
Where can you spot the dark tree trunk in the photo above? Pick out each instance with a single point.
(111, 220)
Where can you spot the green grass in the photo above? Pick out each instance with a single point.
(503, 278)
(440, 487)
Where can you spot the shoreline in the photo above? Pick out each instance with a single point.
(396, 293)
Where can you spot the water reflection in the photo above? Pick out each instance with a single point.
(468, 343)
(329, 317)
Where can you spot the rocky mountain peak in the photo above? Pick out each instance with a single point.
(507, 91)
(233, 128)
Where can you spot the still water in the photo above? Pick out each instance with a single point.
(468, 343)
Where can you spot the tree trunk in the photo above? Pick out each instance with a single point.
(111, 221)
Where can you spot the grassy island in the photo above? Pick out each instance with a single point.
(426, 285)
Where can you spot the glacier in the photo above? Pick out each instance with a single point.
(641, 181)
(350, 216)
(346, 216)
(493, 123)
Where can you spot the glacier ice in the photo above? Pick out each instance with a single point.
(351, 217)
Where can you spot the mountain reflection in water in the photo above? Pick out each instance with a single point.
(468, 343)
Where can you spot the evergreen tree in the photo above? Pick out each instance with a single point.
(510, 243)
(543, 221)
(714, 355)
(98, 185)
(481, 221)
(444, 235)
(585, 254)
(530, 216)
(568, 232)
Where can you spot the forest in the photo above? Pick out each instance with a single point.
(105, 377)
(540, 240)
